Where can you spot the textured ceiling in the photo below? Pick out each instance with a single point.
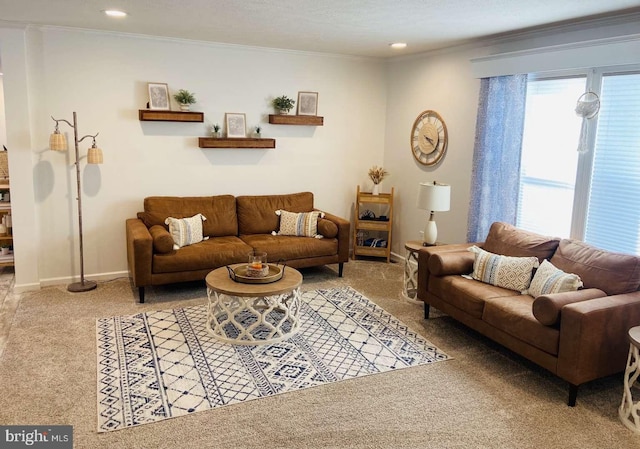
(351, 27)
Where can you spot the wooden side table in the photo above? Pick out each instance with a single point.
(628, 410)
(410, 285)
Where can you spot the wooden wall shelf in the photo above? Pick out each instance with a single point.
(308, 120)
(214, 142)
(146, 115)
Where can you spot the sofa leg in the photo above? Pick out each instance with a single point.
(340, 268)
(573, 395)
(426, 311)
(141, 294)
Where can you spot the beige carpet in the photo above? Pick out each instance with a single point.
(486, 397)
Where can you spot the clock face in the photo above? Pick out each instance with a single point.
(428, 138)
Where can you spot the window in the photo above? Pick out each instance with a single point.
(549, 157)
(593, 196)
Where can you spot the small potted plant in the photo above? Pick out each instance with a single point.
(215, 130)
(185, 98)
(283, 104)
(4, 249)
(258, 131)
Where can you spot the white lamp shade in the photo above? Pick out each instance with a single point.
(434, 197)
(58, 142)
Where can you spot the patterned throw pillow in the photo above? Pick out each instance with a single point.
(549, 279)
(513, 273)
(303, 224)
(186, 231)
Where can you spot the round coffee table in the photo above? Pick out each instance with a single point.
(253, 314)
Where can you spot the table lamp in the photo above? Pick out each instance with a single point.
(433, 197)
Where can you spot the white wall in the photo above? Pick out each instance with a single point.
(103, 78)
(441, 82)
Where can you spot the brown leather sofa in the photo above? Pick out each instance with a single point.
(579, 336)
(235, 227)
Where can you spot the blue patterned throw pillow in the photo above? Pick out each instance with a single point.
(186, 231)
(509, 272)
(549, 279)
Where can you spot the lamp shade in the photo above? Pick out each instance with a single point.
(433, 196)
(57, 141)
(94, 155)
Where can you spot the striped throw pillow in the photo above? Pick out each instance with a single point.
(186, 231)
(303, 224)
(549, 279)
(509, 272)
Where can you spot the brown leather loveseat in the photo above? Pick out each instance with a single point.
(577, 335)
(235, 226)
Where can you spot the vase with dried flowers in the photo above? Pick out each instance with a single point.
(377, 174)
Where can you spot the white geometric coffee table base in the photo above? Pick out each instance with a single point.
(253, 320)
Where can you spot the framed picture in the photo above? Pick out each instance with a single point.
(159, 96)
(236, 125)
(307, 103)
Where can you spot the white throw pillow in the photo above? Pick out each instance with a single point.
(549, 279)
(303, 224)
(509, 272)
(186, 231)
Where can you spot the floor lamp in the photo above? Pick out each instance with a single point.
(432, 197)
(58, 142)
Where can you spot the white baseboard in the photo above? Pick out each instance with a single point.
(69, 279)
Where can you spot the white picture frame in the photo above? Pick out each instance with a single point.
(236, 125)
(159, 97)
(308, 103)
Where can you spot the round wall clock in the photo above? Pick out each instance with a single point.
(428, 138)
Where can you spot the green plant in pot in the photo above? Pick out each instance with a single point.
(215, 130)
(185, 98)
(283, 104)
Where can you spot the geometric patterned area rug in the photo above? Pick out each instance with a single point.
(158, 365)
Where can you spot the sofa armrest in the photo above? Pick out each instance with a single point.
(454, 262)
(139, 251)
(547, 308)
(594, 336)
(423, 262)
(343, 236)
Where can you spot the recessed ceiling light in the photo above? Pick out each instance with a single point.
(114, 13)
(398, 45)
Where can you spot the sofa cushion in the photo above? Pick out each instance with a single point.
(220, 212)
(513, 273)
(206, 255)
(465, 294)
(162, 240)
(300, 224)
(508, 240)
(613, 273)
(256, 214)
(327, 228)
(549, 279)
(186, 231)
(283, 247)
(514, 316)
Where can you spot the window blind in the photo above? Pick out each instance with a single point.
(613, 214)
